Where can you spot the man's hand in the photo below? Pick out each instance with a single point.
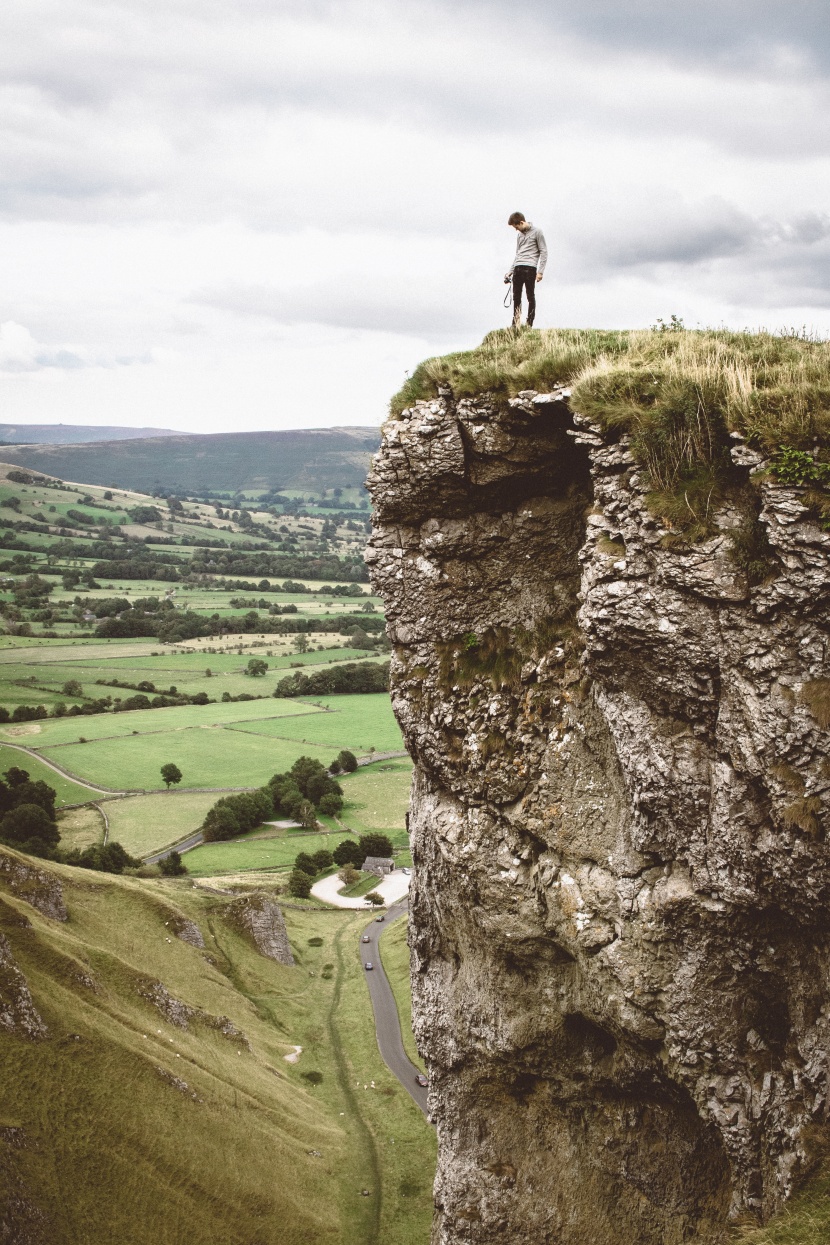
(539, 276)
(508, 278)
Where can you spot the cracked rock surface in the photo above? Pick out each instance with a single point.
(619, 933)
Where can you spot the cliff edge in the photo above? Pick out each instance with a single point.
(619, 933)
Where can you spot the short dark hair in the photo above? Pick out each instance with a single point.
(516, 218)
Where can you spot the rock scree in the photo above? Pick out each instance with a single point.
(618, 918)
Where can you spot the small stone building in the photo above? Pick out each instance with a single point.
(380, 865)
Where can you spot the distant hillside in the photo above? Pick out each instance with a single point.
(310, 459)
(74, 434)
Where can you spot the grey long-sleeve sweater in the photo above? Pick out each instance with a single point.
(531, 249)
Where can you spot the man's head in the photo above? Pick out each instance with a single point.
(517, 220)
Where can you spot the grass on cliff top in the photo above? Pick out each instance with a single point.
(774, 388)
(677, 392)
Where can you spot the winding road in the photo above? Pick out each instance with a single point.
(387, 1021)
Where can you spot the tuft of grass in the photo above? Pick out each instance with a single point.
(804, 815)
(816, 696)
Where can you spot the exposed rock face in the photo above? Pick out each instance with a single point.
(263, 921)
(37, 886)
(619, 929)
(18, 1014)
(182, 1015)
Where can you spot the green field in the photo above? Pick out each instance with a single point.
(68, 792)
(358, 723)
(205, 757)
(145, 823)
(377, 798)
(54, 732)
(240, 855)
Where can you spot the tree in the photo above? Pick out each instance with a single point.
(301, 642)
(375, 899)
(30, 829)
(348, 852)
(171, 774)
(375, 845)
(299, 884)
(220, 823)
(331, 804)
(172, 866)
(102, 857)
(348, 875)
(305, 862)
(348, 761)
(257, 667)
(322, 859)
(335, 766)
(72, 688)
(307, 815)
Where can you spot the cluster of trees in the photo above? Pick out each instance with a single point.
(349, 854)
(28, 823)
(364, 676)
(300, 793)
(263, 564)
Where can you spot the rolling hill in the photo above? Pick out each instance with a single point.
(73, 434)
(310, 458)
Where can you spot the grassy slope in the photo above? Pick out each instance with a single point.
(113, 1152)
(394, 954)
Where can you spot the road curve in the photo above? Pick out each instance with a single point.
(387, 1021)
(391, 889)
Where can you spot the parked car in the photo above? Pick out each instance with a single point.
(368, 966)
(406, 871)
(421, 1080)
(380, 918)
(365, 938)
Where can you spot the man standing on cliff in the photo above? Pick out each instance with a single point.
(528, 266)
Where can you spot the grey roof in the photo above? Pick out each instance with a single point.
(375, 862)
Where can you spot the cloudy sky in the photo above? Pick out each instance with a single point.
(238, 214)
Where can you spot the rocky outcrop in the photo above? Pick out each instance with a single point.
(262, 920)
(37, 886)
(619, 934)
(18, 1014)
(182, 1015)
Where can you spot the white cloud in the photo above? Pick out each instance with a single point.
(243, 194)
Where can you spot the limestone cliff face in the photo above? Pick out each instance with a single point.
(620, 923)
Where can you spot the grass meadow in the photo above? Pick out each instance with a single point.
(145, 823)
(133, 762)
(358, 723)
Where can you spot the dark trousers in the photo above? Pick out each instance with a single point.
(524, 277)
